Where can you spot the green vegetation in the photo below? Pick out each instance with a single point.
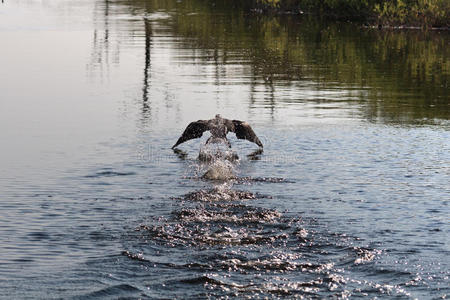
(425, 13)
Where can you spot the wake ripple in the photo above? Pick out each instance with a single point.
(226, 247)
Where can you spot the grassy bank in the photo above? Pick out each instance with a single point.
(412, 13)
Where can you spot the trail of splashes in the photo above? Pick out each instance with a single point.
(222, 193)
(211, 220)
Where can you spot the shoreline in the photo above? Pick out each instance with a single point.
(353, 19)
(382, 16)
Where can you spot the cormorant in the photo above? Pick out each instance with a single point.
(219, 127)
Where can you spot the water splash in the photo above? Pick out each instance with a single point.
(220, 170)
(217, 151)
(220, 193)
(219, 161)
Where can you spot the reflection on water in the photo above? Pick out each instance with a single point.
(392, 76)
(342, 202)
(145, 89)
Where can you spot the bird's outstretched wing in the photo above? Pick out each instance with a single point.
(193, 130)
(244, 131)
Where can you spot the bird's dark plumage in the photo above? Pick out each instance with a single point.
(219, 127)
(193, 130)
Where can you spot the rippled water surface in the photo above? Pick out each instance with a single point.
(348, 199)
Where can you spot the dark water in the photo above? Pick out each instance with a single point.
(348, 200)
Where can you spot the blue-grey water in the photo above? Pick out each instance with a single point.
(348, 200)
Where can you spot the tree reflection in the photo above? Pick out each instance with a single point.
(100, 55)
(147, 69)
(395, 76)
(405, 73)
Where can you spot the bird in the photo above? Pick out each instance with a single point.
(219, 128)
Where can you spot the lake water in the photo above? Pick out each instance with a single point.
(349, 198)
